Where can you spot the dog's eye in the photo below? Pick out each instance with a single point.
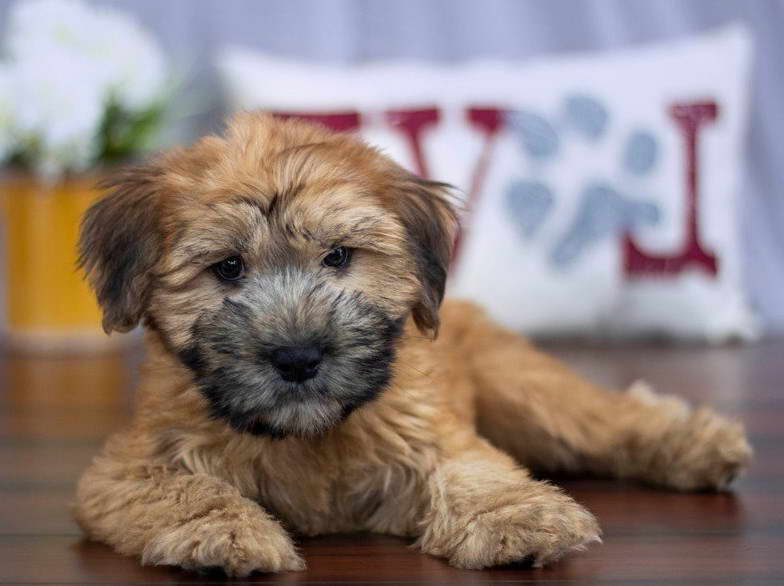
(337, 258)
(230, 269)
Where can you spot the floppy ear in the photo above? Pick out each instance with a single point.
(120, 243)
(430, 221)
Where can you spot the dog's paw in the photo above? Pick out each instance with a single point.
(703, 451)
(541, 529)
(238, 547)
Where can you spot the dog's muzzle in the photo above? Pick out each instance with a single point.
(292, 355)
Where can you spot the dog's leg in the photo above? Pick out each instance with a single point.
(533, 407)
(485, 510)
(193, 521)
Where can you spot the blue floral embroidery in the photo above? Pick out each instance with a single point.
(529, 203)
(603, 212)
(587, 115)
(536, 135)
(641, 152)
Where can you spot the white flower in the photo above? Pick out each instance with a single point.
(40, 25)
(7, 139)
(135, 60)
(130, 62)
(67, 61)
(55, 107)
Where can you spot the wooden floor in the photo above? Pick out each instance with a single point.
(54, 414)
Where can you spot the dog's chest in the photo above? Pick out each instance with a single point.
(331, 490)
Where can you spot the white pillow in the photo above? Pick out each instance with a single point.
(560, 159)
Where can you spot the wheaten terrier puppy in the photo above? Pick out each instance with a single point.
(289, 280)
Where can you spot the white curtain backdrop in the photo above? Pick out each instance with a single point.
(453, 30)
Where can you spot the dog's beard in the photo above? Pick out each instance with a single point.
(230, 357)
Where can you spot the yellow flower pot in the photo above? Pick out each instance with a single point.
(49, 306)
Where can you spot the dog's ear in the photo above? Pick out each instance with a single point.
(430, 221)
(120, 243)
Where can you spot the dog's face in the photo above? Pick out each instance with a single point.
(277, 263)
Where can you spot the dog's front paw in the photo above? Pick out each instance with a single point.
(237, 546)
(703, 451)
(540, 529)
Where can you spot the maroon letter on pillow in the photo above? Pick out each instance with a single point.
(637, 263)
(412, 123)
(489, 121)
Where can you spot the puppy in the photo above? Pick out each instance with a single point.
(289, 280)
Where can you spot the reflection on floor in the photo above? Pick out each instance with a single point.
(54, 413)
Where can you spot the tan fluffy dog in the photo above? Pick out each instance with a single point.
(290, 282)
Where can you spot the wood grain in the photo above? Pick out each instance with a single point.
(55, 412)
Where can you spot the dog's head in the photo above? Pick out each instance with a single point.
(278, 263)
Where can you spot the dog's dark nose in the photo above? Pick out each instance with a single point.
(297, 364)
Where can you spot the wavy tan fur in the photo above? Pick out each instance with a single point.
(439, 454)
